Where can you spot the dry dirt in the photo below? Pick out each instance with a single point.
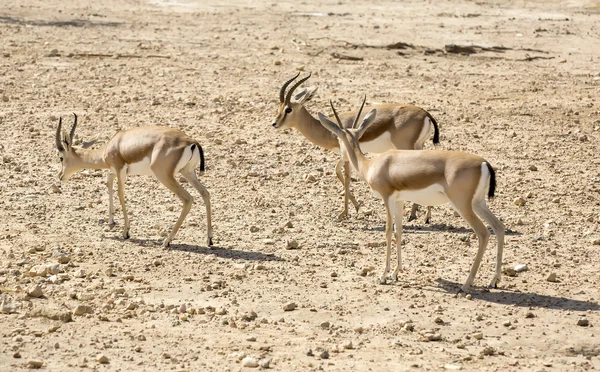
(214, 69)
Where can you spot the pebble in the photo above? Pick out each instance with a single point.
(348, 345)
(264, 363)
(325, 325)
(35, 363)
(254, 229)
(506, 323)
(79, 273)
(249, 362)
(509, 271)
(309, 352)
(529, 315)
(35, 291)
(63, 258)
(268, 241)
(324, 354)
(53, 269)
(596, 241)
(521, 268)
(533, 168)
(102, 359)
(552, 278)
(109, 272)
(583, 322)
(292, 244)
(520, 202)
(290, 306)
(82, 309)
(221, 311)
(469, 297)
(488, 350)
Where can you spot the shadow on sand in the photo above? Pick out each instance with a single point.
(522, 299)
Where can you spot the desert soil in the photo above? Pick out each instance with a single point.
(214, 70)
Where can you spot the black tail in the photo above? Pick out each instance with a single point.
(201, 156)
(436, 131)
(492, 189)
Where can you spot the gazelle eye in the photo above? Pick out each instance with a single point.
(288, 110)
(60, 158)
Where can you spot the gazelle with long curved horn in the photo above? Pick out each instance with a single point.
(427, 177)
(159, 151)
(396, 127)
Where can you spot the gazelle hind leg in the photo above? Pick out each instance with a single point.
(484, 212)
(121, 178)
(169, 181)
(190, 176)
(483, 235)
(398, 222)
(347, 194)
(388, 238)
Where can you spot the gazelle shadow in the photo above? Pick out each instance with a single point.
(521, 299)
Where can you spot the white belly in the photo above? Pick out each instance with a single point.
(378, 145)
(140, 168)
(431, 195)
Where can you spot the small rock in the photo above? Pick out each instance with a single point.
(17, 355)
(290, 306)
(35, 291)
(102, 359)
(35, 363)
(438, 320)
(348, 345)
(264, 363)
(325, 325)
(254, 229)
(520, 202)
(477, 335)
(63, 258)
(533, 168)
(509, 271)
(221, 311)
(506, 323)
(309, 352)
(249, 362)
(289, 224)
(488, 350)
(79, 273)
(359, 330)
(109, 272)
(53, 269)
(469, 297)
(292, 244)
(583, 322)
(82, 309)
(521, 268)
(552, 278)
(324, 354)
(595, 241)
(529, 315)
(157, 262)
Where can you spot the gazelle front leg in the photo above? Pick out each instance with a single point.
(121, 178)
(347, 194)
(110, 179)
(398, 222)
(388, 237)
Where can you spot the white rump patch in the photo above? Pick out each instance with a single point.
(141, 167)
(379, 144)
(429, 196)
(483, 185)
(424, 133)
(189, 159)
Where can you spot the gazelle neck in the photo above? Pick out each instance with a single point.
(357, 158)
(90, 159)
(312, 129)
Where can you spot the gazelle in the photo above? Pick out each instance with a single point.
(396, 127)
(159, 151)
(427, 177)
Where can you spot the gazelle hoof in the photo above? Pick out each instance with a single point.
(383, 280)
(126, 235)
(465, 288)
(111, 225)
(494, 283)
(412, 218)
(210, 242)
(394, 277)
(357, 206)
(342, 215)
(427, 221)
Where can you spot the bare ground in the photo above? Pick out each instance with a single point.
(214, 69)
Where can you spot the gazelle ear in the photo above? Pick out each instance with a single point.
(366, 123)
(330, 125)
(90, 142)
(304, 95)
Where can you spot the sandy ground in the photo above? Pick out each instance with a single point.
(214, 70)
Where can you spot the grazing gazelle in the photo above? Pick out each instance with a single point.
(396, 127)
(159, 151)
(427, 177)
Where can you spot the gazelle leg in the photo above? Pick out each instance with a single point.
(484, 212)
(398, 222)
(169, 181)
(121, 178)
(413, 212)
(191, 177)
(483, 235)
(110, 180)
(428, 215)
(347, 194)
(389, 203)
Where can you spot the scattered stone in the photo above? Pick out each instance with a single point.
(254, 229)
(102, 359)
(221, 311)
(359, 330)
(348, 345)
(469, 297)
(63, 258)
(17, 355)
(453, 367)
(79, 273)
(488, 350)
(533, 168)
(509, 271)
(506, 323)
(264, 363)
(521, 268)
(520, 202)
(109, 272)
(289, 224)
(595, 241)
(325, 325)
(82, 309)
(38, 270)
(438, 320)
(552, 278)
(35, 291)
(290, 306)
(249, 362)
(529, 315)
(309, 352)
(324, 354)
(268, 241)
(292, 244)
(53, 269)
(583, 322)
(54, 314)
(35, 363)
(477, 335)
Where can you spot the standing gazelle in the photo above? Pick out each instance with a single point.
(159, 151)
(427, 177)
(396, 127)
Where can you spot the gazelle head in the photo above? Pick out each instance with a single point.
(70, 161)
(350, 135)
(290, 104)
